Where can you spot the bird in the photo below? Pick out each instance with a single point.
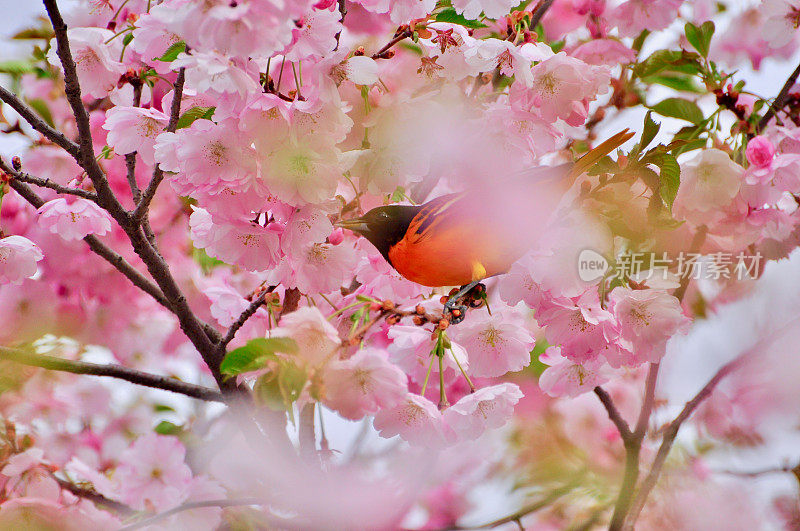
(462, 238)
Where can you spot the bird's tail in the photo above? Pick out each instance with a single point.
(594, 155)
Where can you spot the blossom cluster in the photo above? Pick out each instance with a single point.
(271, 121)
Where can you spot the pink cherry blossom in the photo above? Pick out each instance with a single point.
(315, 267)
(97, 61)
(317, 340)
(782, 18)
(495, 344)
(74, 219)
(316, 35)
(134, 129)
(211, 71)
(306, 226)
(487, 408)
(411, 350)
(363, 384)
(18, 257)
(608, 52)
(562, 86)
(646, 319)
(633, 16)
(415, 419)
(249, 245)
(207, 156)
(152, 473)
(709, 181)
(578, 327)
(565, 378)
(226, 304)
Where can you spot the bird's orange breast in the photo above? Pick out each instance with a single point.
(451, 244)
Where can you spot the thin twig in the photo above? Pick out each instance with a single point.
(524, 511)
(114, 371)
(95, 497)
(130, 158)
(158, 173)
(245, 315)
(613, 413)
(668, 439)
(780, 100)
(33, 118)
(399, 37)
(193, 505)
(45, 183)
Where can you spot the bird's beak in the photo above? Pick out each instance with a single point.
(356, 225)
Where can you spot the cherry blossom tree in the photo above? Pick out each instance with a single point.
(191, 340)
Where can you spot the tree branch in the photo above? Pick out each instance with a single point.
(95, 497)
(72, 88)
(671, 433)
(45, 183)
(193, 505)
(613, 413)
(780, 100)
(539, 13)
(158, 174)
(245, 315)
(112, 257)
(113, 371)
(33, 118)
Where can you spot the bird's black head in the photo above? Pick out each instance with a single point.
(383, 226)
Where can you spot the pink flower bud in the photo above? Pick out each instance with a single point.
(760, 151)
(336, 237)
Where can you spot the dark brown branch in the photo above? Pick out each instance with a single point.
(613, 413)
(307, 437)
(245, 315)
(193, 505)
(402, 35)
(44, 183)
(780, 100)
(72, 88)
(539, 13)
(95, 497)
(697, 242)
(158, 174)
(113, 371)
(36, 121)
(130, 158)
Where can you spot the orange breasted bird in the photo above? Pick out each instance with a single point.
(462, 238)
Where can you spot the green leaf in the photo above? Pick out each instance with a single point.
(42, 32)
(700, 38)
(161, 408)
(255, 354)
(671, 60)
(679, 108)
(676, 81)
(649, 131)
(15, 67)
(127, 39)
(193, 114)
(166, 427)
(670, 178)
(450, 15)
(172, 52)
(291, 381)
(207, 263)
(43, 110)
